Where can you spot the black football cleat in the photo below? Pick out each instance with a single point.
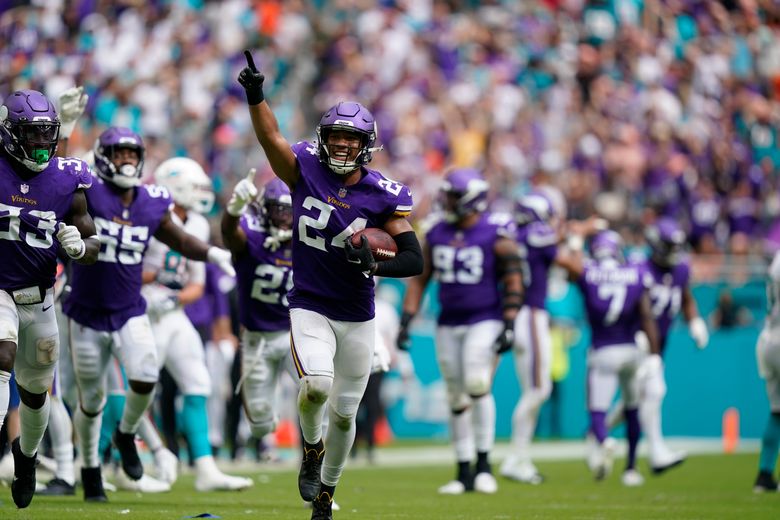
(309, 474)
(92, 482)
(23, 485)
(322, 507)
(765, 483)
(131, 463)
(57, 487)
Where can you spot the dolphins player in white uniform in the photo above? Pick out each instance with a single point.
(170, 281)
(768, 356)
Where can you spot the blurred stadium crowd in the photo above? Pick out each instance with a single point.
(633, 108)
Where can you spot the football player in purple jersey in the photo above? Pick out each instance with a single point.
(617, 304)
(107, 314)
(473, 255)
(260, 241)
(43, 200)
(540, 227)
(334, 194)
(670, 294)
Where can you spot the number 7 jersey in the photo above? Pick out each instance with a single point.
(326, 212)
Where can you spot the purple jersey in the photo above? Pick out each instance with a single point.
(325, 213)
(30, 210)
(214, 303)
(612, 294)
(464, 263)
(108, 293)
(264, 279)
(538, 244)
(666, 293)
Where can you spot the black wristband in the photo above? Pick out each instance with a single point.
(255, 97)
(407, 262)
(406, 318)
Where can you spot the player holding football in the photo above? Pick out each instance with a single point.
(171, 281)
(107, 314)
(332, 299)
(44, 200)
(768, 357)
(471, 252)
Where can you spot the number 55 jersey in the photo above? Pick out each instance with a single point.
(108, 293)
(325, 213)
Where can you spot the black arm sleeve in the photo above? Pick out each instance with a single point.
(407, 262)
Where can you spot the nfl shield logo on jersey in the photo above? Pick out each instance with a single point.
(24, 188)
(342, 193)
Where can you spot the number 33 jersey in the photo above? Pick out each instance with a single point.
(108, 293)
(326, 212)
(30, 209)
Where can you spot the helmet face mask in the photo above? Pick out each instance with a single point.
(189, 185)
(607, 246)
(119, 157)
(346, 136)
(464, 192)
(667, 242)
(276, 209)
(29, 129)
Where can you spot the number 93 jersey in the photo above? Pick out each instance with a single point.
(325, 213)
(464, 263)
(108, 293)
(264, 278)
(30, 209)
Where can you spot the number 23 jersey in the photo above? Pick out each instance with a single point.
(326, 212)
(108, 293)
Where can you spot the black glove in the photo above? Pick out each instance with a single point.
(361, 256)
(252, 81)
(506, 339)
(402, 341)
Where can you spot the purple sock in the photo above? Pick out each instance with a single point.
(632, 434)
(598, 425)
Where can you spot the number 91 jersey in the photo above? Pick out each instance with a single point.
(264, 277)
(30, 209)
(108, 293)
(326, 212)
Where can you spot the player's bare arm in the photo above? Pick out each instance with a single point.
(510, 268)
(412, 298)
(571, 261)
(243, 193)
(266, 127)
(697, 327)
(173, 236)
(648, 324)
(79, 217)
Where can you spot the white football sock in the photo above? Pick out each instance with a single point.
(484, 417)
(61, 433)
(462, 435)
(32, 423)
(339, 443)
(5, 392)
(149, 434)
(135, 406)
(88, 429)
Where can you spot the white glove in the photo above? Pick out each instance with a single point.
(381, 360)
(222, 258)
(71, 241)
(244, 193)
(155, 309)
(642, 342)
(72, 103)
(698, 331)
(650, 367)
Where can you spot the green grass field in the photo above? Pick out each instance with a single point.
(705, 487)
